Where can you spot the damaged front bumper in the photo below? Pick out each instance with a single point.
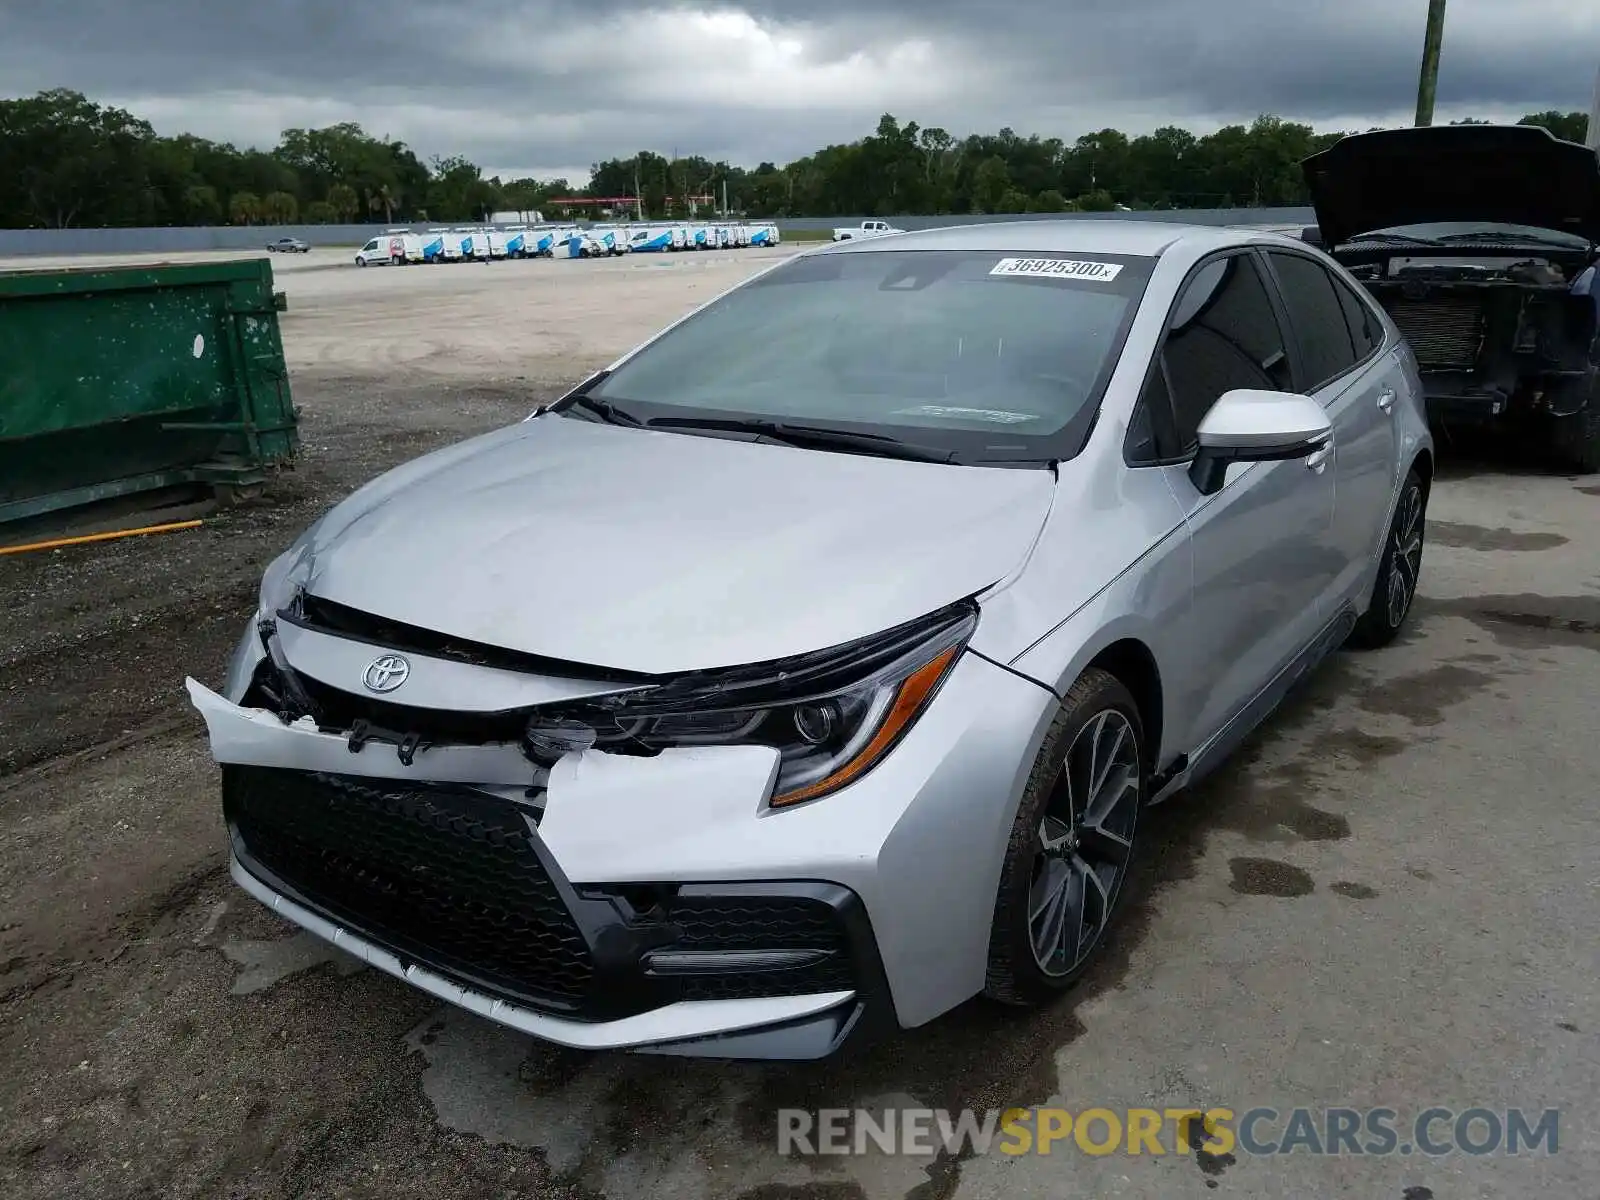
(792, 1027)
(656, 903)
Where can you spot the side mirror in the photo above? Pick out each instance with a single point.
(1256, 426)
(1311, 235)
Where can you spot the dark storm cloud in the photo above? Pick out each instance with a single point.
(558, 83)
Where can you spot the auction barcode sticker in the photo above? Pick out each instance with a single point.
(1058, 268)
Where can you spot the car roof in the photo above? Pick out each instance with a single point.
(1067, 234)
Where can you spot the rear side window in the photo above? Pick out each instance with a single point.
(1223, 336)
(1365, 332)
(1326, 350)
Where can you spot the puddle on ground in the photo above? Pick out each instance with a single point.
(1354, 891)
(1480, 537)
(266, 963)
(1423, 696)
(1268, 877)
(1528, 621)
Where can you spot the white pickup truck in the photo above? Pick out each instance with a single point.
(866, 229)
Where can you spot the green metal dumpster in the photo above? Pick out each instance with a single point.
(114, 381)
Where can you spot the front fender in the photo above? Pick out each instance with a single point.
(1147, 604)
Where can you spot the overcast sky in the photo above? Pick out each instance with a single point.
(546, 87)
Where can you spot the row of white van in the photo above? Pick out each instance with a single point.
(400, 246)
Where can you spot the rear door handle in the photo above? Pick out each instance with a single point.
(1318, 459)
(1386, 399)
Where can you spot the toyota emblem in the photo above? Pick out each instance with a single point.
(386, 673)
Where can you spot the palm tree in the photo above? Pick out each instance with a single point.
(343, 200)
(244, 208)
(280, 208)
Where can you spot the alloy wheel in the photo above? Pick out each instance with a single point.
(1405, 555)
(1085, 842)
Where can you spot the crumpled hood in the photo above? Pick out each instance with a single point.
(1509, 174)
(659, 552)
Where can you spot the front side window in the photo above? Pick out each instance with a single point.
(992, 355)
(372, 245)
(1223, 336)
(1320, 329)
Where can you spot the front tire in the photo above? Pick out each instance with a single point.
(1071, 846)
(1574, 440)
(1395, 589)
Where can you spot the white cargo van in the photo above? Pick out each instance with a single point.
(392, 249)
(440, 245)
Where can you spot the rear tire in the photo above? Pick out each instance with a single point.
(1395, 589)
(1071, 845)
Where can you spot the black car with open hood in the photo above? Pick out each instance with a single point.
(1480, 241)
(1500, 174)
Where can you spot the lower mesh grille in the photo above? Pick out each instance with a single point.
(1442, 333)
(448, 877)
(763, 923)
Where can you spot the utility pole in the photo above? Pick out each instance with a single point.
(1428, 83)
(1593, 140)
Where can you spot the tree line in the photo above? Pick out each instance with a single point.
(73, 163)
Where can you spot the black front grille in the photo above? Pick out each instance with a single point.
(448, 877)
(1443, 333)
(763, 923)
(457, 881)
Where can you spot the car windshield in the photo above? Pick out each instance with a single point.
(1453, 232)
(988, 355)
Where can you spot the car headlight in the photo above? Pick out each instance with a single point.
(831, 716)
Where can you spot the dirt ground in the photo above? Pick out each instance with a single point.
(1389, 898)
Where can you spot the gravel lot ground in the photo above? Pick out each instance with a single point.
(1389, 899)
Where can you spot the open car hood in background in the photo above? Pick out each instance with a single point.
(1507, 174)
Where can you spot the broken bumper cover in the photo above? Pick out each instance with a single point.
(655, 861)
(769, 1028)
(451, 888)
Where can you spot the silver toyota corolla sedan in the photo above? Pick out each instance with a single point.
(805, 673)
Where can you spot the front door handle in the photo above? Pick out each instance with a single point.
(1386, 399)
(1318, 459)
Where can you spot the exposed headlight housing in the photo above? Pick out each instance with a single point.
(284, 577)
(831, 715)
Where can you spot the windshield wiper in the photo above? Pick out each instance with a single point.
(604, 409)
(817, 437)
